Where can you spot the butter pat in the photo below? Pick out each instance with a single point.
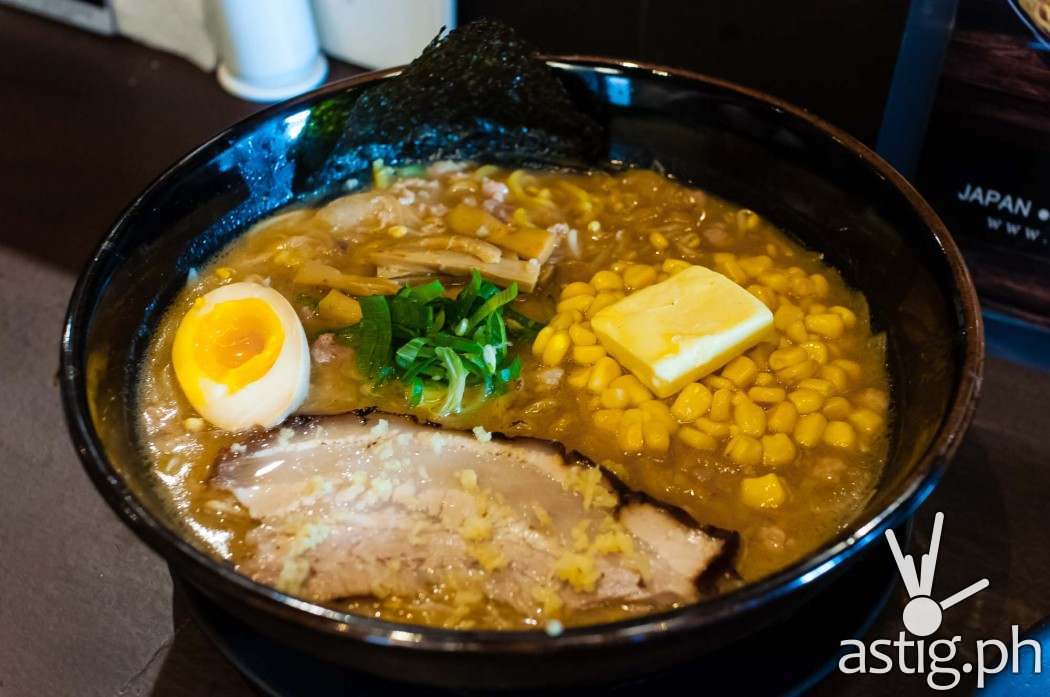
(681, 329)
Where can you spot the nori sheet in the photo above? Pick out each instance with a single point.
(477, 93)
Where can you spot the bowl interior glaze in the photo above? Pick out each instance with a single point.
(810, 179)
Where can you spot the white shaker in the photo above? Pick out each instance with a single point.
(268, 49)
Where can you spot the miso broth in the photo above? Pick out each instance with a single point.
(783, 444)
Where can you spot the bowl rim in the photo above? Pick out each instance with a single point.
(177, 551)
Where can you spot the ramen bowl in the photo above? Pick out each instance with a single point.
(802, 174)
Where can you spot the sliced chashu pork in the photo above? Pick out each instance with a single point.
(366, 504)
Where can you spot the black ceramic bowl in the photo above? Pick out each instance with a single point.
(811, 179)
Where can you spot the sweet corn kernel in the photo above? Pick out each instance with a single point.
(636, 391)
(555, 350)
(836, 376)
(659, 241)
(577, 288)
(817, 350)
(717, 382)
(721, 403)
(586, 355)
(760, 355)
(809, 429)
(608, 419)
(867, 421)
(629, 436)
(657, 410)
(815, 308)
(776, 280)
(786, 315)
(852, 368)
(756, 266)
(744, 450)
(602, 301)
(837, 408)
(638, 276)
(607, 280)
(785, 357)
(806, 401)
(540, 342)
(696, 439)
(579, 377)
(764, 294)
(820, 285)
(673, 266)
(840, 434)
(634, 415)
(741, 371)
(778, 450)
(802, 286)
(712, 428)
(747, 219)
(794, 374)
(614, 398)
(766, 395)
(730, 267)
(692, 402)
(873, 398)
(849, 318)
(656, 436)
(765, 379)
(564, 320)
(817, 385)
(797, 332)
(766, 491)
(782, 418)
(749, 417)
(581, 336)
(605, 371)
(577, 302)
(828, 325)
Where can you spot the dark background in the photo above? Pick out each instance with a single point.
(834, 57)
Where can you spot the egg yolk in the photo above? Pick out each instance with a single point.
(234, 343)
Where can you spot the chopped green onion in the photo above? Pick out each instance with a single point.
(488, 354)
(406, 355)
(427, 292)
(415, 391)
(494, 303)
(457, 380)
(405, 337)
(371, 336)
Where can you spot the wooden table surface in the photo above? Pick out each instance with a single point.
(85, 609)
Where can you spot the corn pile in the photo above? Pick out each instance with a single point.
(761, 410)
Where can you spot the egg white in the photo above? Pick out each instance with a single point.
(270, 399)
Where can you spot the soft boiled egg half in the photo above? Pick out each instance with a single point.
(241, 357)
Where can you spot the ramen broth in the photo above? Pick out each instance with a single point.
(783, 444)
